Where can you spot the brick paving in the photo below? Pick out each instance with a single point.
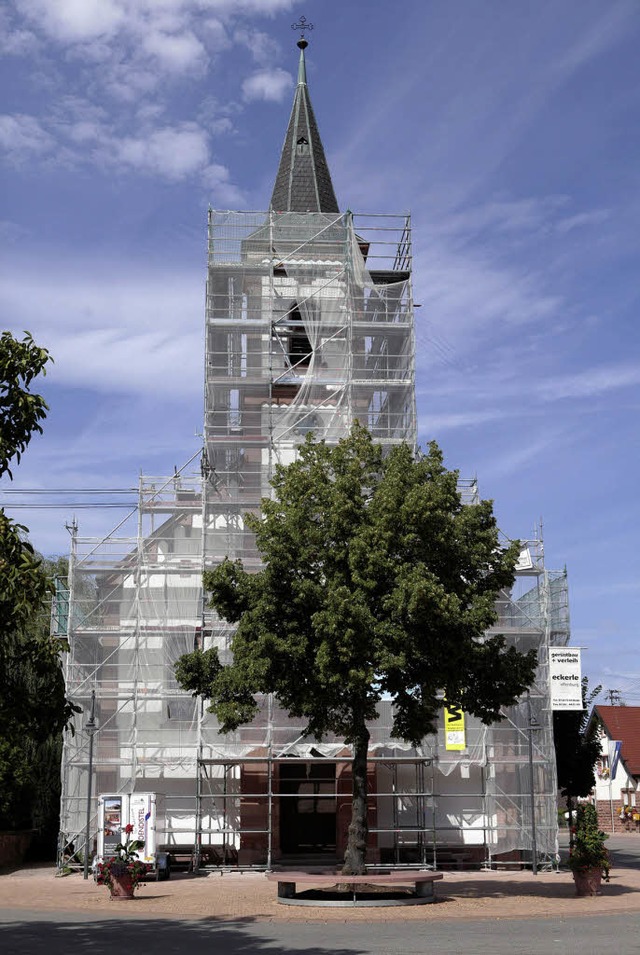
(249, 896)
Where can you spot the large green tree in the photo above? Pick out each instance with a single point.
(33, 707)
(33, 713)
(377, 583)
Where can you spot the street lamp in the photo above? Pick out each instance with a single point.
(532, 724)
(90, 727)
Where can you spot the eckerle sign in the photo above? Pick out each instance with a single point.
(565, 679)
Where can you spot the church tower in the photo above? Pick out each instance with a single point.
(309, 327)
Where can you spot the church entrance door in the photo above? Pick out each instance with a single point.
(307, 807)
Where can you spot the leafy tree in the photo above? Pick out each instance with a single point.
(21, 411)
(377, 582)
(22, 585)
(577, 746)
(33, 707)
(33, 713)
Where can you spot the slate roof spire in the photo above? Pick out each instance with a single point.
(303, 182)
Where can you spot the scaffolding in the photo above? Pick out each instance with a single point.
(309, 326)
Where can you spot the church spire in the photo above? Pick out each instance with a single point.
(303, 182)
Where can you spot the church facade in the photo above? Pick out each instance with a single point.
(309, 326)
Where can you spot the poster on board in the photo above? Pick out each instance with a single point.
(454, 731)
(142, 816)
(565, 678)
(112, 811)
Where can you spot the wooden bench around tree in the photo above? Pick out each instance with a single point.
(422, 881)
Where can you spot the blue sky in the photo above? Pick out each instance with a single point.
(510, 130)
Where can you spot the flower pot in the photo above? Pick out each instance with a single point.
(588, 881)
(121, 886)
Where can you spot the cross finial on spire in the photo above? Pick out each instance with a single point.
(303, 181)
(305, 27)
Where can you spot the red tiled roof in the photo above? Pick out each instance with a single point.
(623, 723)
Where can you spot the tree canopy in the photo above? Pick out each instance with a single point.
(22, 586)
(378, 582)
(21, 411)
(34, 711)
(33, 707)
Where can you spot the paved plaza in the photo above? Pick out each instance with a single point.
(477, 912)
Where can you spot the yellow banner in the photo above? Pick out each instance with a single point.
(454, 732)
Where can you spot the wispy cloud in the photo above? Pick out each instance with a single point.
(590, 382)
(472, 289)
(270, 85)
(583, 219)
(519, 380)
(82, 21)
(526, 450)
(127, 56)
(473, 98)
(168, 151)
(180, 52)
(172, 152)
(22, 135)
(114, 338)
(73, 21)
(440, 423)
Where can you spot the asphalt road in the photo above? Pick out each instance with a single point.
(78, 934)
(624, 850)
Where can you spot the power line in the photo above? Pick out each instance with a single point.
(71, 504)
(71, 490)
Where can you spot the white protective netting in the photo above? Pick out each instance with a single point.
(309, 326)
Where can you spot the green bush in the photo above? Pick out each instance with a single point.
(589, 851)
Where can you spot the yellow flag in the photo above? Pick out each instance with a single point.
(454, 733)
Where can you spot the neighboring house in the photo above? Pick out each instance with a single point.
(309, 325)
(617, 793)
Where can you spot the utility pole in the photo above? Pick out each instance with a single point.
(532, 724)
(90, 728)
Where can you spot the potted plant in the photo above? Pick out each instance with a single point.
(123, 872)
(589, 859)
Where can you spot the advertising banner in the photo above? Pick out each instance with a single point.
(117, 810)
(112, 812)
(565, 678)
(142, 816)
(454, 731)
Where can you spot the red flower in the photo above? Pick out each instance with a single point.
(128, 829)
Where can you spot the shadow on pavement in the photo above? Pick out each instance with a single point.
(485, 889)
(624, 849)
(155, 936)
(623, 860)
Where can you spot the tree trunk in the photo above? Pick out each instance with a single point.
(571, 822)
(354, 857)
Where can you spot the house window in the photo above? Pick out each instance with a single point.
(302, 146)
